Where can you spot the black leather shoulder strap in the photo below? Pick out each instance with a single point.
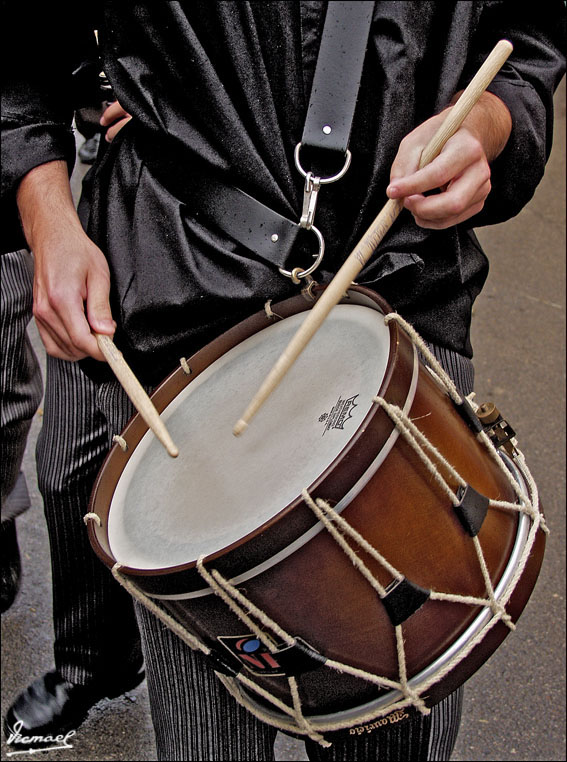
(337, 74)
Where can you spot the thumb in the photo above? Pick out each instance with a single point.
(99, 313)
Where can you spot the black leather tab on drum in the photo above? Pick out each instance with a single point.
(224, 662)
(286, 661)
(403, 598)
(299, 658)
(472, 509)
(467, 413)
(337, 75)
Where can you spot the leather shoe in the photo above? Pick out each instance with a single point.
(51, 705)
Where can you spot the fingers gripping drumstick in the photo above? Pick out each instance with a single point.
(375, 233)
(135, 391)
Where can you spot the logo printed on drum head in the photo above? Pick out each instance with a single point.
(340, 413)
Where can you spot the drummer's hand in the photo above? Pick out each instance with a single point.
(114, 117)
(461, 171)
(71, 276)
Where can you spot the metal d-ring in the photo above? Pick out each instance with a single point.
(323, 180)
(296, 274)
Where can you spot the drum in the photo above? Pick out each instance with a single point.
(362, 548)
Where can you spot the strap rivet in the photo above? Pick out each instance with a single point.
(327, 129)
(275, 237)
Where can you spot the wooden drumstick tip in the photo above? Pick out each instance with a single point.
(239, 427)
(136, 392)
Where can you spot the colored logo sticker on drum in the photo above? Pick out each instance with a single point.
(284, 660)
(340, 413)
(253, 654)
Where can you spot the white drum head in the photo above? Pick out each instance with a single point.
(166, 512)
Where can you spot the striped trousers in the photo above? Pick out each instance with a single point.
(195, 718)
(20, 378)
(96, 633)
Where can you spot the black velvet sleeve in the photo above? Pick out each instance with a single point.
(42, 45)
(526, 85)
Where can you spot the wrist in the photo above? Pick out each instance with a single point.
(490, 122)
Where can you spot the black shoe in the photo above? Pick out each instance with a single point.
(51, 706)
(11, 565)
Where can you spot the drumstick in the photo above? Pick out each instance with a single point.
(135, 391)
(373, 236)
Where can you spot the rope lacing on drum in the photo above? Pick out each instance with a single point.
(185, 366)
(527, 506)
(237, 603)
(232, 597)
(497, 607)
(322, 510)
(245, 609)
(250, 614)
(420, 444)
(330, 519)
(270, 314)
(121, 442)
(92, 517)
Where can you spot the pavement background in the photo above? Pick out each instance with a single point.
(515, 704)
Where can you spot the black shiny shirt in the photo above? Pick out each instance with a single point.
(221, 89)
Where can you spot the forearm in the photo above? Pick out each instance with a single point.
(71, 277)
(46, 206)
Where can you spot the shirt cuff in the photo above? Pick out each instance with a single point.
(25, 146)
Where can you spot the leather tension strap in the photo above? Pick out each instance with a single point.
(337, 75)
